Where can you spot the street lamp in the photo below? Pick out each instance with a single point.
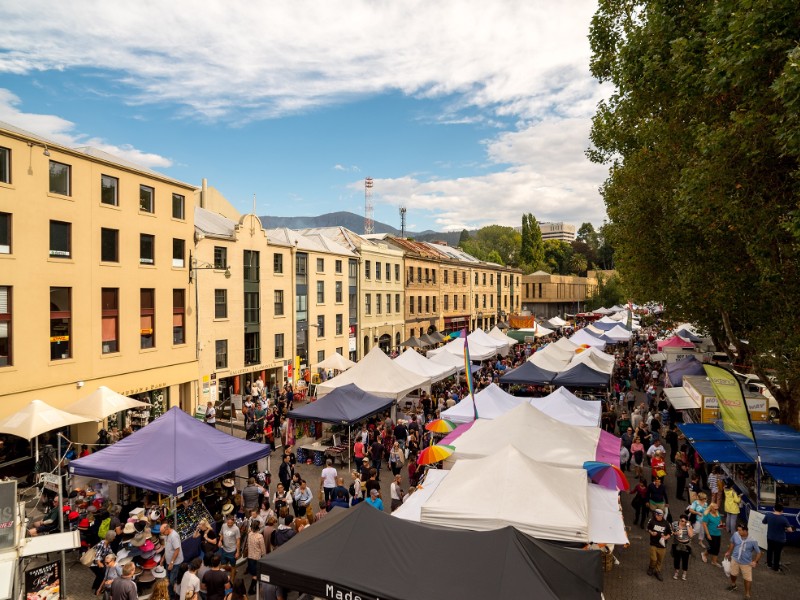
(195, 265)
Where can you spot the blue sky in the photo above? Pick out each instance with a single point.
(468, 113)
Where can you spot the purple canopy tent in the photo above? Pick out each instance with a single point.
(172, 455)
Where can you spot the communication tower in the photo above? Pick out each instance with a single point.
(403, 222)
(369, 223)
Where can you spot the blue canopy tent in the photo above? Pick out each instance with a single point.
(687, 366)
(582, 375)
(778, 447)
(344, 405)
(172, 455)
(607, 326)
(528, 374)
(688, 335)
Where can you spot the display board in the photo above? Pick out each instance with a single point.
(757, 530)
(43, 582)
(189, 517)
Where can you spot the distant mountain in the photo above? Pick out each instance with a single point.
(355, 223)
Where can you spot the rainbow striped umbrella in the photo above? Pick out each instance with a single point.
(440, 426)
(434, 454)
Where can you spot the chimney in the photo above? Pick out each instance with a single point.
(203, 193)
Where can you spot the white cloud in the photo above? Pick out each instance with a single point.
(62, 131)
(345, 169)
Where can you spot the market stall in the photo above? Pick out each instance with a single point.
(582, 375)
(425, 367)
(528, 373)
(491, 401)
(500, 564)
(566, 407)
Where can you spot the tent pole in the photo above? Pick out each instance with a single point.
(173, 506)
(63, 589)
(349, 443)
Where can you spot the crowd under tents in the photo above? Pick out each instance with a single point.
(416, 363)
(346, 405)
(172, 455)
(542, 500)
(676, 371)
(329, 561)
(491, 402)
(377, 374)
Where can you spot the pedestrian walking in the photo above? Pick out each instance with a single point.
(660, 532)
(744, 553)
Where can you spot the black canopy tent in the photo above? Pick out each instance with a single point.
(528, 374)
(328, 559)
(582, 375)
(344, 405)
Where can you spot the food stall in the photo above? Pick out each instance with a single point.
(699, 389)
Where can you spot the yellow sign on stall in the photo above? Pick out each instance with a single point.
(700, 389)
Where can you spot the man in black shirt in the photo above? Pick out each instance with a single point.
(215, 581)
(660, 531)
(286, 471)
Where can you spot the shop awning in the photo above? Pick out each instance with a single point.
(723, 452)
(784, 474)
(679, 399)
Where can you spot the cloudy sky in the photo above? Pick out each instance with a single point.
(466, 112)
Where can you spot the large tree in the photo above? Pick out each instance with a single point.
(532, 246)
(701, 137)
(505, 241)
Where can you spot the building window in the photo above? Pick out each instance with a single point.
(445, 302)
(277, 263)
(220, 304)
(339, 324)
(477, 304)
(427, 304)
(434, 303)
(397, 272)
(445, 275)
(463, 278)
(338, 292)
(455, 302)
(411, 305)
(388, 303)
(484, 278)
(464, 301)
(338, 266)
(60, 178)
(320, 265)
(251, 269)
(109, 314)
(178, 207)
(410, 274)
(109, 190)
(278, 303)
(419, 274)
(178, 317)
(378, 305)
(147, 324)
(320, 326)
(434, 275)
(341, 350)
(367, 269)
(147, 199)
(109, 245)
(484, 301)
(5, 233)
(279, 345)
(320, 292)
(491, 301)
(368, 304)
(419, 305)
(221, 352)
(505, 280)
(147, 249)
(388, 272)
(5, 165)
(476, 278)
(5, 326)
(178, 253)
(252, 310)
(378, 270)
(60, 323)
(252, 348)
(397, 303)
(60, 239)
(220, 258)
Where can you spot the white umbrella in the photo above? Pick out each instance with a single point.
(38, 418)
(337, 362)
(102, 403)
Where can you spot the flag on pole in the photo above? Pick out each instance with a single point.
(630, 316)
(468, 373)
(732, 405)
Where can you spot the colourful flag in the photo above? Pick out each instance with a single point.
(468, 373)
(732, 405)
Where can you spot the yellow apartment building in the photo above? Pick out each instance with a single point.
(545, 295)
(379, 320)
(322, 273)
(94, 264)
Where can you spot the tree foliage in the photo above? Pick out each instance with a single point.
(702, 138)
(609, 293)
(532, 246)
(505, 241)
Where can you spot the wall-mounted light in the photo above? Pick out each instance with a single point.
(46, 151)
(79, 384)
(195, 265)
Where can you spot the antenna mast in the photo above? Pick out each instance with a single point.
(369, 223)
(403, 222)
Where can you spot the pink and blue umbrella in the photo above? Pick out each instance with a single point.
(606, 475)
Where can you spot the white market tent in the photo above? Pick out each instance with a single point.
(103, 402)
(602, 311)
(499, 335)
(552, 358)
(449, 360)
(565, 344)
(557, 322)
(411, 508)
(481, 338)
(491, 401)
(337, 362)
(377, 374)
(416, 363)
(544, 501)
(566, 407)
(618, 334)
(592, 360)
(595, 330)
(456, 347)
(539, 436)
(38, 417)
(582, 337)
(605, 520)
(538, 332)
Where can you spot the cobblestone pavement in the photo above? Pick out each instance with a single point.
(627, 581)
